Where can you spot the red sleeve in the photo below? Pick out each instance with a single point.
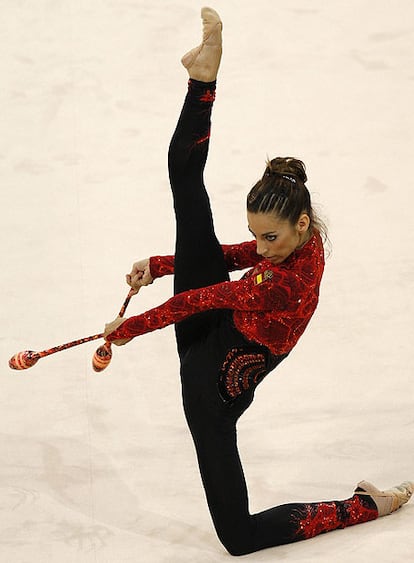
(237, 257)
(272, 289)
(161, 266)
(241, 256)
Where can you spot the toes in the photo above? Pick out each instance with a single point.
(212, 25)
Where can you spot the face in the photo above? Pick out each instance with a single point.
(276, 239)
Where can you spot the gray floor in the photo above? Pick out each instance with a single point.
(99, 468)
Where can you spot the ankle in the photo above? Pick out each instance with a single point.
(387, 501)
(199, 91)
(210, 85)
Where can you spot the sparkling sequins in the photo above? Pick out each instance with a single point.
(272, 314)
(208, 97)
(317, 518)
(243, 368)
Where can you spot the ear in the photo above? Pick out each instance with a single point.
(303, 224)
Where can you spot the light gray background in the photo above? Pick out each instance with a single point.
(99, 468)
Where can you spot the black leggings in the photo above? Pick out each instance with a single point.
(203, 341)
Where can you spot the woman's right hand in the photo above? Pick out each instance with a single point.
(140, 275)
(110, 327)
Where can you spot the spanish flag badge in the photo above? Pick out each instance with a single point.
(260, 278)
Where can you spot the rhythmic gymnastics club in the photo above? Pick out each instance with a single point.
(28, 358)
(103, 354)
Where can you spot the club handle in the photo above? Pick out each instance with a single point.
(71, 344)
(126, 302)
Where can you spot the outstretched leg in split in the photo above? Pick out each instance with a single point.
(199, 259)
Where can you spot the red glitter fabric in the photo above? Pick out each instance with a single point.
(272, 304)
(318, 518)
(242, 368)
(208, 96)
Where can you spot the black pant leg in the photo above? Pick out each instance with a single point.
(213, 425)
(199, 259)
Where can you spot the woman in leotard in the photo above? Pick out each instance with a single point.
(231, 334)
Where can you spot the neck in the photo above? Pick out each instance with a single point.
(303, 238)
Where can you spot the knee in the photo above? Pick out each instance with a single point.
(237, 547)
(238, 540)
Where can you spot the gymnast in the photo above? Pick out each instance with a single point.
(231, 334)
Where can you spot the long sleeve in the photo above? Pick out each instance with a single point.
(272, 303)
(236, 256)
(161, 266)
(240, 256)
(245, 294)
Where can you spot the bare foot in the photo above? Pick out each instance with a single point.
(202, 62)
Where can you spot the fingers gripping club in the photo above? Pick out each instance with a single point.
(103, 354)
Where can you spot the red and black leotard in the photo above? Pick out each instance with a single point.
(271, 304)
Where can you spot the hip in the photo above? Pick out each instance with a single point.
(225, 365)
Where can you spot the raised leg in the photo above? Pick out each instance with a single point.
(199, 260)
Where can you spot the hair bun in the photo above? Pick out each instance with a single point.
(288, 167)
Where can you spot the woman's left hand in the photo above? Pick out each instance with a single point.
(110, 327)
(140, 275)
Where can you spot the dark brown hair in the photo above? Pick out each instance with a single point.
(282, 192)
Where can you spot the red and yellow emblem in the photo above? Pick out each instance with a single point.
(263, 276)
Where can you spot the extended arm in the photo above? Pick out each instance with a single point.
(274, 289)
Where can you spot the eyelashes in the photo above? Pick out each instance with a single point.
(269, 238)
